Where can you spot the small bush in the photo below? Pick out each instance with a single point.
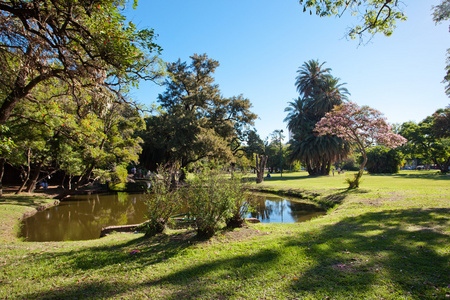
(354, 181)
(163, 201)
(242, 202)
(211, 200)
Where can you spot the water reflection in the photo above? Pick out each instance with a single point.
(275, 209)
(83, 217)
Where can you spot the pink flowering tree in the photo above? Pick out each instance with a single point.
(363, 126)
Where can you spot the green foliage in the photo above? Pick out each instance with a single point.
(296, 166)
(381, 159)
(6, 142)
(349, 163)
(212, 199)
(320, 92)
(81, 43)
(375, 16)
(163, 201)
(243, 202)
(195, 120)
(385, 241)
(427, 141)
(353, 181)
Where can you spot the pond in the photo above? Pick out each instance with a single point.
(83, 217)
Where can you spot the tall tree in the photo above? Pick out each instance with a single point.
(320, 92)
(362, 127)
(195, 121)
(256, 151)
(82, 43)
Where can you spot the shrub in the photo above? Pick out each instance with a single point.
(163, 201)
(210, 200)
(242, 205)
(348, 164)
(381, 159)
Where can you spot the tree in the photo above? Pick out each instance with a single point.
(256, 151)
(320, 92)
(427, 141)
(81, 43)
(195, 120)
(378, 16)
(361, 126)
(441, 123)
(381, 159)
(442, 13)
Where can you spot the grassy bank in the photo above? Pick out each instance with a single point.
(390, 239)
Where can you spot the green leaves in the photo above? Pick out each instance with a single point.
(195, 120)
(375, 16)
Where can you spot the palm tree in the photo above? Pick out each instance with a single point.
(332, 93)
(311, 76)
(319, 153)
(320, 92)
(298, 114)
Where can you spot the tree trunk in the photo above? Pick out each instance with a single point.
(62, 181)
(27, 173)
(261, 161)
(34, 178)
(83, 179)
(2, 171)
(232, 167)
(355, 183)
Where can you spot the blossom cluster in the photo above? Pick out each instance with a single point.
(363, 125)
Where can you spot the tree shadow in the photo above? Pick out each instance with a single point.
(151, 252)
(334, 199)
(23, 200)
(428, 176)
(240, 268)
(289, 178)
(398, 248)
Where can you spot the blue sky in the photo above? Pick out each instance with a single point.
(260, 45)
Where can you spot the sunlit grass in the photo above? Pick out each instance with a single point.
(390, 239)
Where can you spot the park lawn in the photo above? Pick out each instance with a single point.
(390, 239)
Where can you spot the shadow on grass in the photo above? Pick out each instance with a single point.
(32, 201)
(181, 284)
(399, 251)
(289, 178)
(214, 275)
(334, 199)
(432, 176)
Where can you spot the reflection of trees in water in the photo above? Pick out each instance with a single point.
(269, 206)
(84, 217)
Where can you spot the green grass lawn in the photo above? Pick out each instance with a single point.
(390, 239)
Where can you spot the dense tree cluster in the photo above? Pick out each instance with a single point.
(429, 140)
(66, 66)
